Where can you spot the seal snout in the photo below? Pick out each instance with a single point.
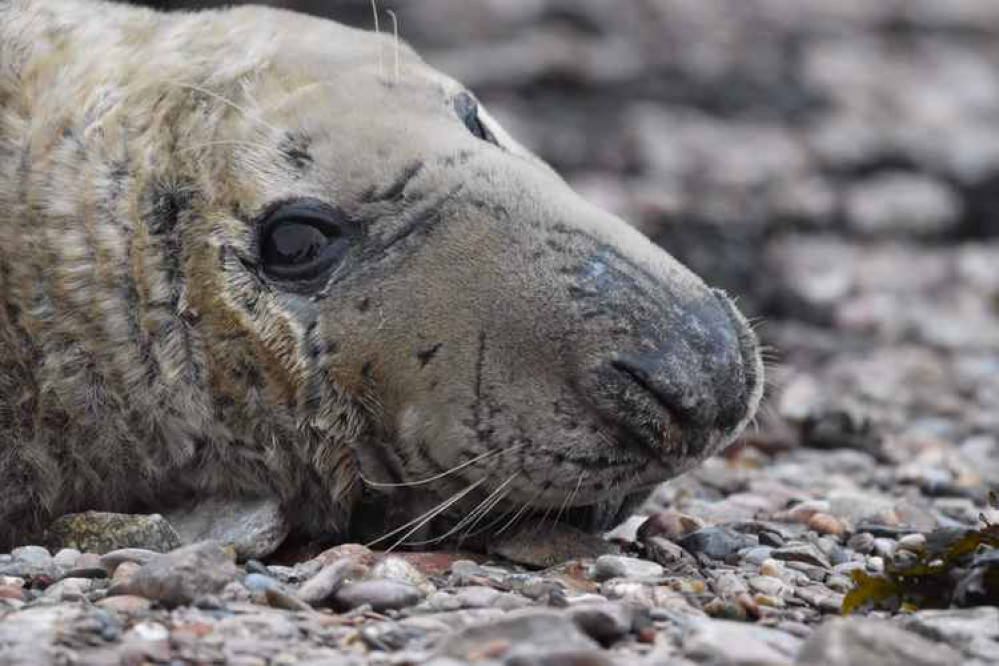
(687, 391)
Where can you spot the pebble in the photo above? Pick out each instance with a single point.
(319, 589)
(381, 595)
(804, 552)
(717, 543)
(183, 575)
(619, 566)
(846, 642)
(254, 528)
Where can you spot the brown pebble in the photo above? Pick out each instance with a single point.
(126, 604)
(670, 524)
(823, 523)
(11, 592)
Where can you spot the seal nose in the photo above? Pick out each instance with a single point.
(694, 384)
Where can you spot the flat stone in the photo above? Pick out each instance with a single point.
(805, 552)
(604, 622)
(183, 575)
(973, 631)
(729, 643)
(254, 528)
(126, 604)
(36, 555)
(530, 631)
(845, 642)
(382, 595)
(100, 532)
(619, 566)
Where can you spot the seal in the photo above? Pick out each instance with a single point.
(250, 253)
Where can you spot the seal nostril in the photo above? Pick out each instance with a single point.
(647, 374)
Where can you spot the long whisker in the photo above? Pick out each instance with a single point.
(428, 515)
(225, 100)
(475, 514)
(568, 498)
(438, 477)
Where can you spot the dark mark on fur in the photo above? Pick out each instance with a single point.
(295, 150)
(427, 355)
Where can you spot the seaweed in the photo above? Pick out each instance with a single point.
(957, 567)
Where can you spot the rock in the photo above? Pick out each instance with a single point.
(604, 622)
(319, 589)
(111, 560)
(124, 574)
(99, 532)
(87, 565)
(33, 555)
(804, 552)
(728, 643)
(563, 658)
(845, 642)
(619, 566)
(382, 595)
(70, 589)
(718, 543)
(529, 632)
(279, 597)
(33, 635)
(672, 525)
(183, 575)
(823, 523)
(902, 203)
(253, 527)
(972, 631)
(126, 604)
(399, 569)
(66, 557)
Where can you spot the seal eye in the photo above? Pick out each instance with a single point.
(468, 110)
(301, 241)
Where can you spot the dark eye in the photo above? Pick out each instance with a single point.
(302, 241)
(468, 110)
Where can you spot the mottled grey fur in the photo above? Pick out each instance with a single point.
(146, 359)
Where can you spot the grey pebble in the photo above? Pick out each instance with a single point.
(381, 595)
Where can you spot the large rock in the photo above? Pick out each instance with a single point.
(254, 527)
(100, 532)
(845, 642)
(518, 633)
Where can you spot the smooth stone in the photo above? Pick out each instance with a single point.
(34, 555)
(185, 574)
(66, 557)
(254, 528)
(806, 552)
(111, 560)
(100, 532)
(619, 566)
(846, 642)
(529, 631)
(973, 631)
(381, 595)
(731, 643)
(324, 585)
(126, 604)
(399, 569)
(717, 543)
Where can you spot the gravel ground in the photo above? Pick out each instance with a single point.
(836, 164)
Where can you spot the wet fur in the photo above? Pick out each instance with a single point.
(144, 359)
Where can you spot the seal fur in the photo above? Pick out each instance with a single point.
(485, 327)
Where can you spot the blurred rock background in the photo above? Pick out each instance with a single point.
(835, 164)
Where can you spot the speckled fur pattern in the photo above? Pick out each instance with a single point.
(146, 359)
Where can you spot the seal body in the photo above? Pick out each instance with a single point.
(242, 254)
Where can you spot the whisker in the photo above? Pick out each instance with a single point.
(395, 31)
(438, 477)
(381, 61)
(475, 514)
(228, 102)
(427, 516)
(568, 498)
